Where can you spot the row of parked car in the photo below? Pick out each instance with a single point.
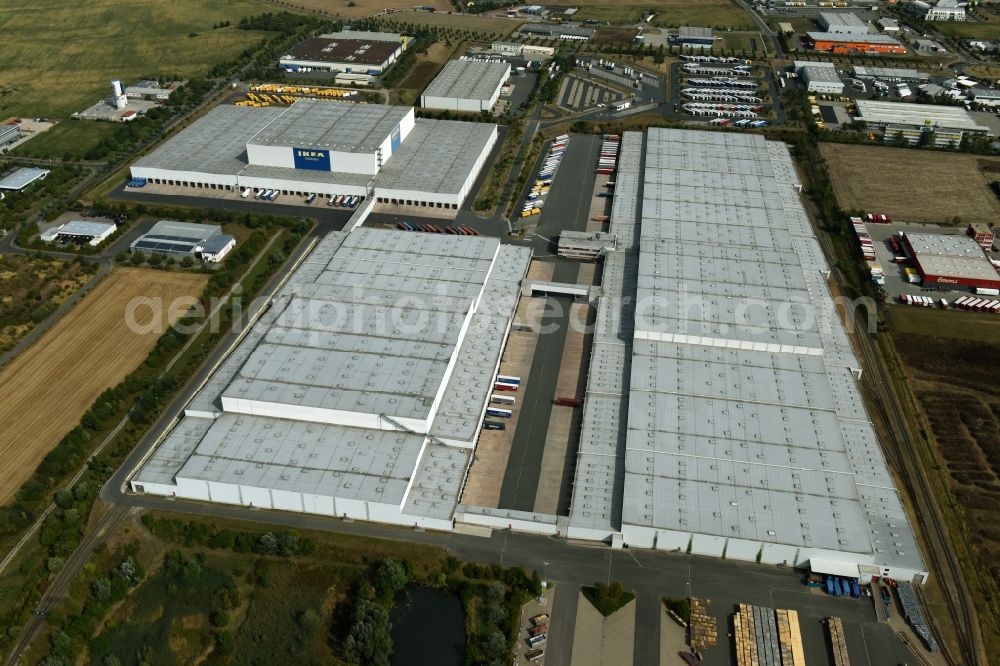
(341, 201)
(437, 229)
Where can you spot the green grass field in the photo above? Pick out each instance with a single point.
(987, 30)
(72, 138)
(61, 58)
(704, 13)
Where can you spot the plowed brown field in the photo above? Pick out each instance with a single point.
(45, 390)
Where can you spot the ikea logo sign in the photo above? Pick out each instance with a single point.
(310, 158)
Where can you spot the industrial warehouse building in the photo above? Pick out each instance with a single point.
(19, 179)
(853, 43)
(948, 261)
(9, 135)
(79, 232)
(693, 37)
(552, 31)
(905, 122)
(466, 85)
(820, 77)
(361, 391)
(731, 424)
(890, 73)
(199, 241)
(326, 148)
(339, 53)
(726, 425)
(841, 23)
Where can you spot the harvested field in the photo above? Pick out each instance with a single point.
(948, 360)
(672, 13)
(474, 22)
(615, 34)
(45, 390)
(366, 7)
(884, 179)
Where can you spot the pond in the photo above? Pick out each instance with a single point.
(428, 629)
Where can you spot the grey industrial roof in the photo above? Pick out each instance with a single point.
(21, 178)
(905, 73)
(952, 255)
(598, 485)
(687, 31)
(366, 270)
(852, 37)
(744, 416)
(216, 243)
(85, 228)
(468, 79)
(842, 18)
(375, 332)
(818, 71)
(188, 231)
(343, 126)
(436, 156)
(904, 113)
(313, 458)
(365, 34)
(215, 143)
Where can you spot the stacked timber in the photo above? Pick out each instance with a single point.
(703, 629)
(790, 638)
(838, 643)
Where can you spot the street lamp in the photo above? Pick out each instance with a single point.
(545, 582)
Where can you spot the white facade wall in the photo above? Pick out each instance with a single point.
(504, 522)
(319, 415)
(309, 187)
(177, 177)
(279, 156)
(945, 14)
(166, 490)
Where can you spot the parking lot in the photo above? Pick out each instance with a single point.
(577, 93)
(895, 282)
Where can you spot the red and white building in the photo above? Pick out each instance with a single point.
(982, 234)
(951, 261)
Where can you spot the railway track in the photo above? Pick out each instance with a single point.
(899, 447)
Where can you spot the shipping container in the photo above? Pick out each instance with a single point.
(539, 619)
(986, 291)
(538, 629)
(567, 402)
(494, 425)
(508, 379)
(499, 412)
(534, 655)
(499, 386)
(535, 641)
(503, 399)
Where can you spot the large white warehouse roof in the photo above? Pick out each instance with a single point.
(361, 391)
(340, 126)
(741, 432)
(468, 79)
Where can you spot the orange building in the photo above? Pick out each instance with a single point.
(841, 44)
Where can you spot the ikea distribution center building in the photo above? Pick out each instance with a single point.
(326, 148)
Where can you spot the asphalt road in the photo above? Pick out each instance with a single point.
(286, 206)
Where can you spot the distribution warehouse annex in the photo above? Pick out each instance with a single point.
(728, 431)
(326, 148)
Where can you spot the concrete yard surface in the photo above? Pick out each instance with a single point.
(493, 451)
(603, 641)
